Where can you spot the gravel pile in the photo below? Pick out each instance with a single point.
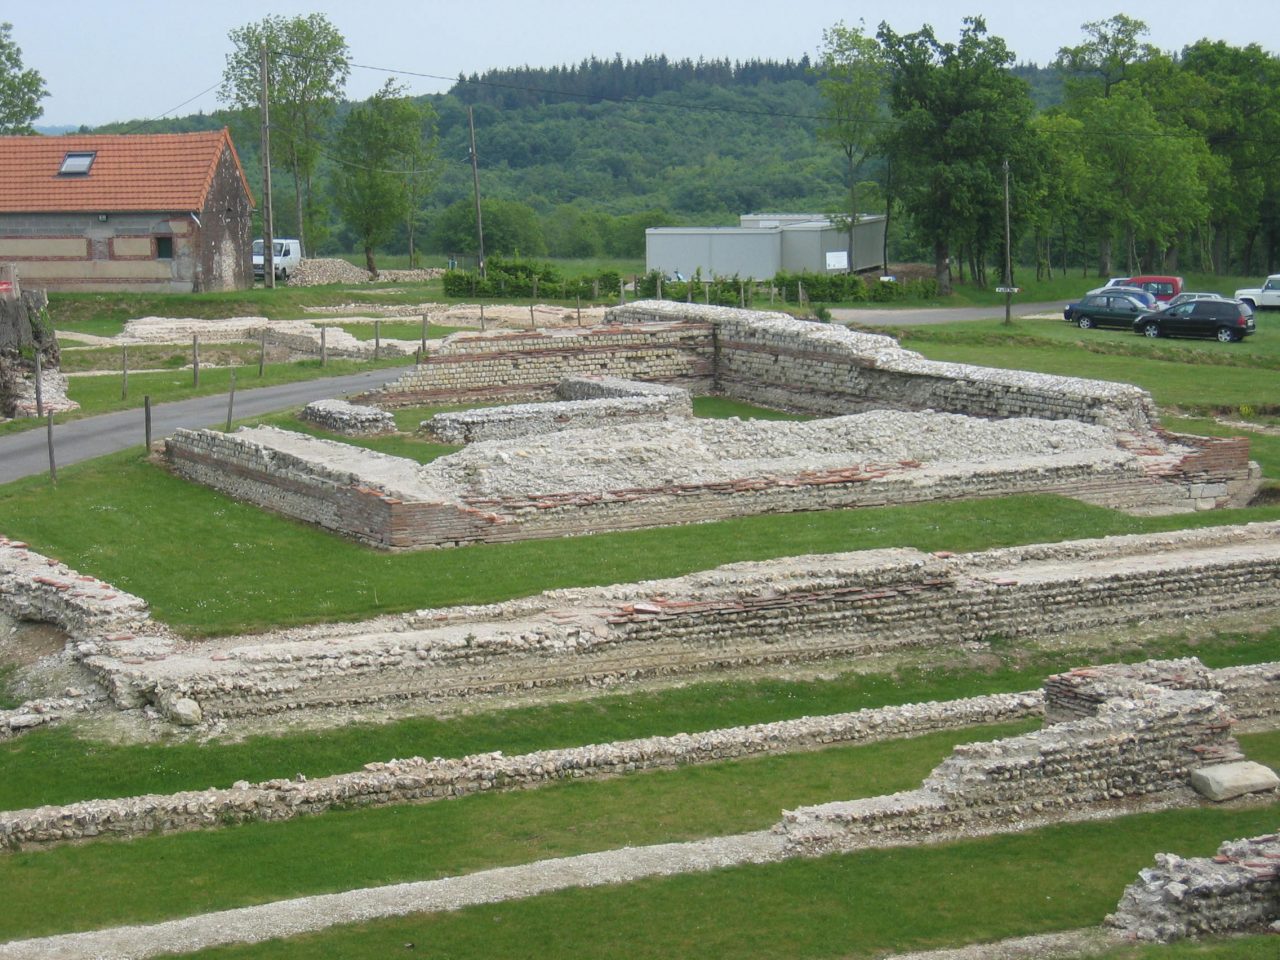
(714, 451)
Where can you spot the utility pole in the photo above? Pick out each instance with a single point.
(1008, 254)
(268, 224)
(475, 180)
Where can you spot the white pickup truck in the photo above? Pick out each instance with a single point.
(1268, 295)
(286, 254)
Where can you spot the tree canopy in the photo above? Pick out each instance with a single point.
(21, 89)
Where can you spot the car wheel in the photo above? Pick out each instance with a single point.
(1226, 335)
(1151, 330)
(1084, 323)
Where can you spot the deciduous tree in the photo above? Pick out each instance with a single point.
(307, 68)
(852, 81)
(21, 90)
(384, 145)
(959, 115)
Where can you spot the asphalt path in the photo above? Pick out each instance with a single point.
(27, 453)
(881, 317)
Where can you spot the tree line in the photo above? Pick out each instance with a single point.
(1119, 156)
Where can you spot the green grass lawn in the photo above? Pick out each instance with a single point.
(1192, 375)
(859, 905)
(121, 518)
(111, 882)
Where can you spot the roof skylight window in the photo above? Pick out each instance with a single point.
(76, 164)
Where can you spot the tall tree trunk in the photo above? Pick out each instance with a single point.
(298, 199)
(368, 262)
(942, 267)
(1104, 255)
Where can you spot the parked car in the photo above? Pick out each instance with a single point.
(1268, 295)
(1227, 320)
(1108, 310)
(1187, 296)
(286, 254)
(1144, 298)
(1163, 288)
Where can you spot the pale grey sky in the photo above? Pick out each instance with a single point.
(138, 59)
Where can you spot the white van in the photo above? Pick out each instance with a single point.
(286, 254)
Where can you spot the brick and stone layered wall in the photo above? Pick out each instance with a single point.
(35, 587)
(739, 616)
(1236, 891)
(584, 403)
(528, 366)
(1138, 746)
(778, 361)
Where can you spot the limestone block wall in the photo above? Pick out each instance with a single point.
(528, 366)
(738, 616)
(1237, 891)
(350, 419)
(1140, 745)
(417, 780)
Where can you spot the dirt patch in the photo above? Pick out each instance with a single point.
(23, 643)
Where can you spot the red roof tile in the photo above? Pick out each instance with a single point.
(153, 172)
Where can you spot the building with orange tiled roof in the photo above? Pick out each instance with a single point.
(165, 212)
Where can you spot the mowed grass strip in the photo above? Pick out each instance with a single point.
(208, 564)
(110, 882)
(89, 768)
(859, 905)
(1189, 374)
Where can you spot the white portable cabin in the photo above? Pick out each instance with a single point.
(762, 245)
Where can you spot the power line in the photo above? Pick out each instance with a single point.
(143, 123)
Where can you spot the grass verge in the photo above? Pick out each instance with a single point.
(122, 519)
(859, 905)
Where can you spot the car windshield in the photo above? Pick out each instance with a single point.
(257, 248)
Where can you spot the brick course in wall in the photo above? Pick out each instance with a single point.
(738, 616)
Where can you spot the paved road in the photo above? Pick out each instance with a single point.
(27, 453)
(874, 316)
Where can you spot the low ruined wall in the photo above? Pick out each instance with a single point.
(349, 419)
(737, 616)
(401, 781)
(528, 366)
(778, 361)
(1237, 891)
(514, 421)
(34, 587)
(1140, 745)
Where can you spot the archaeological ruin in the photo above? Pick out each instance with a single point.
(893, 428)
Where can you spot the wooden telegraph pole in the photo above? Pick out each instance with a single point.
(475, 180)
(268, 224)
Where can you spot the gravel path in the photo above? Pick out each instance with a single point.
(306, 914)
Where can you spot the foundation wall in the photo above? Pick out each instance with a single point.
(738, 617)
(1140, 746)
(528, 366)
(1237, 891)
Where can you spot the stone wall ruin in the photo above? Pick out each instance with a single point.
(747, 616)
(1140, 733)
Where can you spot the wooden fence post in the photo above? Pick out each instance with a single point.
(195, 359)
(124, 372)
(53, 467)
(146, 419)
(39, 386)
(231, 399)
(324, 347)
